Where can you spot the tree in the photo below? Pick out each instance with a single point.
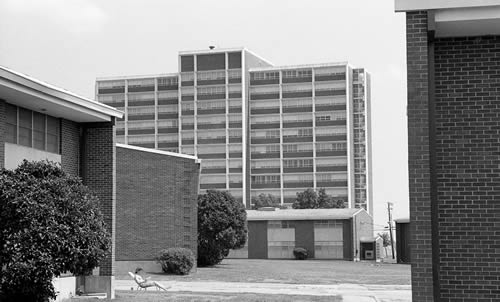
(264, 200)
(386, 240)
(309, 199)
(306, 200)
(221, 226)
(50, 223)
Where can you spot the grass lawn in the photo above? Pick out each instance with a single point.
(295, 272)
(126, 296)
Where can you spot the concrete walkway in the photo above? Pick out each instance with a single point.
(349, 292)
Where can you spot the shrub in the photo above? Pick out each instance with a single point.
(300, 253)
(50, 223)
(176, 260)
(221, 226)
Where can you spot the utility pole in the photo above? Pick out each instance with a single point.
(389, 211)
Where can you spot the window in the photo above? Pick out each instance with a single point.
(235, 163)
(295, 103)
(297, 163)
(141, 97)
(141, 138)
(111, 98)
(305, 73)
(235, 148)
(168, 81)
(265, 149)
(211, 105)
(293, 118)
(213, 164)
(167, 123)
(111, 84)
(141, 82)
(267, 119)
(266, 134)
(31, 129)
(331, 147)
(303, 132)
(211, 90)
(211, 75)
(327, 131)
(266, 104)
(39, 131)
(146, 110)
(263, 164)
(168, 138)
(11, 124)
(269, 75)
(213, 134)
(292, 148)
(331, 177)
(234, 133)
(168, 109)
(141, 124)
(265, 179)
(234, 74)
(298, 178)
(212, 149)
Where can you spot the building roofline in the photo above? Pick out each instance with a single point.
(207, 51)
(133, 77)
(220, 50)
(258, 56)
(302, 214)
(286, 67)
(57, 92)
(196, 159)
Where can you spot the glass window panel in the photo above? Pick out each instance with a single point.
(11, 124)
(38, 131)
(25, 127)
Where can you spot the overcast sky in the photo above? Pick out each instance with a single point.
(69, 43)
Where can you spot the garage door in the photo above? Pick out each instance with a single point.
(280, 240)
(328, 239)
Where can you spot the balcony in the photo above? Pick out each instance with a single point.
(111, 90)
(265, 96)
(329, 77)
(265, 155)
(218, 140)
(265, 170)
(168, 87)
(264, 82)
(331, 153)
(265, 110)
(265, 140)
(272, 125)
(297, 94)
(331, 138)
(297, 169)
(141, 117)
(335, 184)
(168, 130)
(297, 124)
(141, 131)
(168, 115)
(297, 109)
(265, 185)
(221, 125)
(212, 111)
(298, 184)
(297, 79)
(329, 92)
(336, 122)
(215, 96)
(141, 88)
(168, 101)
(333, 107)
(298, 154)
(331, 168)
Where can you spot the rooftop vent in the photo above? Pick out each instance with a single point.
(211, 47)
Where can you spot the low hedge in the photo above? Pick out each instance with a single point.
(300, 253)
(176, 260)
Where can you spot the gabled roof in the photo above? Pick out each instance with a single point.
(302, 214)
(25, 91)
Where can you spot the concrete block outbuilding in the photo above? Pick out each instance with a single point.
(324, 233)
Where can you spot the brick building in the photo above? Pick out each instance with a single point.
(453, 51)
(39, 121)
(325, 233)
(156, 202)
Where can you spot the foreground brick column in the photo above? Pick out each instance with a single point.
(99, 169)
(418, 156)
(2, 133)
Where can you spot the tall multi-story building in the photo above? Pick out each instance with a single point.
(258, 128)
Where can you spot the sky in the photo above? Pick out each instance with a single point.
(69, 43)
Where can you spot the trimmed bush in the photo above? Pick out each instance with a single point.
(300, 253)
(176, 260)
(50, 223)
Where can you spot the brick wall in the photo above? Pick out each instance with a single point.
(156, 203)
(453, 161)
(98, 173)
(418, 156)
(70, 147)
(467, 79)
(2, 133)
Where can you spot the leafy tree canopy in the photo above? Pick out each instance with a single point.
(50, 223)
(221, 226)
(265, 200)
(309, 199)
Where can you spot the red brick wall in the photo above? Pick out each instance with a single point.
(454, 161)
(70, 147)
(418, 156)
(156, 203)
(467, 79)
(2, 133)
(98, 173)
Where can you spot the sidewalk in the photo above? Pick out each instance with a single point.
(349, 292)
